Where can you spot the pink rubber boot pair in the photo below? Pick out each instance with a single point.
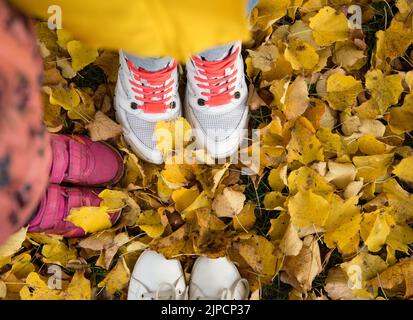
(79, 161)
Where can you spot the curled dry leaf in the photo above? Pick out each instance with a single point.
(103, 128)
(299, 271)
(229, 203)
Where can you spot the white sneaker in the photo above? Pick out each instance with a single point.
(141, 99)
(213, 279)
(216, 102)
(156, 278)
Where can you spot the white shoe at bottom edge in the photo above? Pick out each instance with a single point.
(156, 278)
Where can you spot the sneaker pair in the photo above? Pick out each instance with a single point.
(79, 161)
(156, 278)
(215, 103)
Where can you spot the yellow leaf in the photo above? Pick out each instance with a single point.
(398, 279)
(296, 99)
(90, 219)
(304, 145)
(362, 268)
(385, 90)
(342, 91)
(136, 246)
(229, 203)
(184, 197)
(343, 225)
(267, 12)
(324, 55)
(245, 220)
(4, 261)
(176, 243)
(164, 191)
(113, 199)
(279, 226)
(133, 169)
(405, 7)
(22, 266)
(332, 143)
(301, 31)
(369, 145)
(401, 118)
(13, 243)
(52, 117)
(409, 79)
(258, 253)
(313, 5)
(211, 239)
(391, 43)
(307, 179)
(375, 227)
(217, 173)
(79, 288)
(172, 135)
(275, 179)
(66, 97)
(404, 169)
(329, 26)
(117, 279)
(290, 244)
(202, 201)
(81, 54)
(273, 133)
(176, 175)
(372, 167)
(63, 37)
(368, 110)
(400, 201)
(58, 253)
(274, 200)
(37, 289)
(398, 240)
(308, 209)
(85, 110)
(43, 238)
(301, 55)
(150, 221)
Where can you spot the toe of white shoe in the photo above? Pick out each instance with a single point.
(210, 276)
(151, 271)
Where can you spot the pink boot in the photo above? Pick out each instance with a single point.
(78, 160)
(55, 207)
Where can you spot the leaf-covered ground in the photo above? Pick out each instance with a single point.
(328, 216)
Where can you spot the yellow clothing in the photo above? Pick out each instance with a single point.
(176, 28)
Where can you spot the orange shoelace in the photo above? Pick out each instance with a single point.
(217, 81)
(152, 95)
